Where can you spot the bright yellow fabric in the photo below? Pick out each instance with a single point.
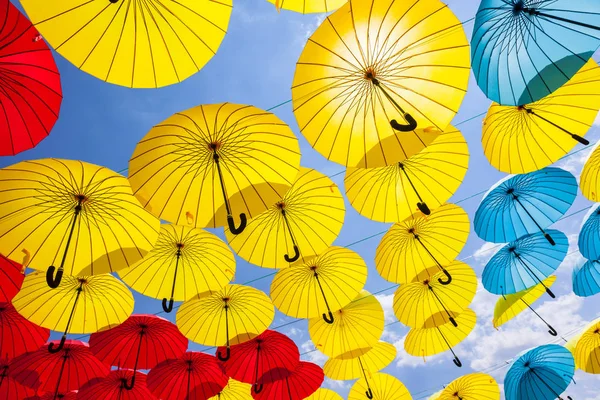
(419, 54)
(341, 272)
(235, 390)
(205, 264)
(514, 304)
(400, 257)
(37, 207)
(386, 195)
(132, 43)
(571, 344)
(422, 303)
(347, 367)
(308, 6)
(589, 182)
(104, 302)
(202, 319)
(477, 386)
(587, 351)
(173, 172)
(357, 325)
(314, 208)
(518, 140)
(324, 394)
(383, 386)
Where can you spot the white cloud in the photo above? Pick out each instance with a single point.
(311, 354)
(483, 254)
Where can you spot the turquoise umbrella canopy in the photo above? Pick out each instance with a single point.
(589, 237)
(586, 279)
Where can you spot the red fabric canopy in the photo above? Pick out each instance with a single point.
(112, 387)
(11, 279)
(297, 385)
(10, 389)
(18, 335)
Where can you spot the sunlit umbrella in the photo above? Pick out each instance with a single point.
(324, 394)
(84, 304)
(382, 387)
(201, 165)
(586, 279)
(523, 50)
(304, 222)
(571, 344)
(308, 6)
(234, 390)
(587, 351)
(128, 44)
(114, 387)
(18, 335)
(78, 216)
(371, 80)
(10, 388)
(202, 261)
(589, 236)
(589, 181)
(11, 279)
(521, 204)
(421, 242)
(297, 384)
(477, 386)
(360, 363)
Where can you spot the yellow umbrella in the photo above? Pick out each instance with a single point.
(324, 394)
(422, 182)
(361, 363)
(427, 302)
(304, 222)
(571, 344)
(375, 75)
(380, 387)
(200, 165)
(527, 138)
(232, 315)
(308, 6)
(477, 386)
(357, 325)
(511, 305)
(130, 43)
(328, 281)
(420, 242)
(79, 216)
(202, 261)
(84, 304)
(587, 351)
(430, 339)
(234, 390)
(589, 182)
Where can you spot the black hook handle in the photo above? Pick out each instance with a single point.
(569, 397)
(447, 282)
(411, 126)
(552, 331)
(549, 239)
(369, 394)
(239, 229)
(127, 385)
(424, 208)
(295, 257)
(328, 318)
(457, 361)
(258, 387)
(227, 355)
(167, 308)
(550, 293)
(54, 350)
(52, 281)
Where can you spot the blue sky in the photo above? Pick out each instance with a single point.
(101, 123)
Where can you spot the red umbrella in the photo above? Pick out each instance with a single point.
(17, 335)
(297, 385)
(30, 92)
(11, 278)
(59, 396)
(10, 389)
(141, 342)
(269, 355)
(193, 376)
(60, 372)
(113, 387)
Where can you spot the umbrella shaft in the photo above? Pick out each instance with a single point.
(533, 311)
(428, 252)
(225, 199)
(137, 355)
(439, 300)
(256, 367)
(530, 111)
(289, 227)
(387, 96)
(175, 274)
(447, 343)
(529, 270)
(364, 373)
(322, 291)
(287, 383)
(62, 368)
(544, 383)
(410, 182)
(554, 17)
(528, 213)
(79, 290)
(73, 223)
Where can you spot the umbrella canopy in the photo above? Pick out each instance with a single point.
(426, 301)
(234, 390)
(522, 204)
(540, 373)
(358, 325)
(382, 387)
(587, 351)
(308, 6)
(11, 389)
(589, 181)
(419, 242)
(540, 45)
(304, 222)
(72, 395)
(360, 363)
(589, 236)
(31, 93)
(192, 376)
(232, 315)
(202, 261)
(509, 306)
(298, 384)
(548, 128)
(525, 263)
(475, 386)
(571, 344)
(324, 394)
(320, 284)
(11, 279)
(201, 165)
(84, 304)
(126, 44)
(80, 217)
(422, 182)
(371, 80)
(114, 387)
(586, 279)
(18, 335)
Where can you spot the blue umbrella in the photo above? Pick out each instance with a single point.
(522, 204)
(525, 263)
(523, 50)
(586, 279)
(542, 373)
(589, 237)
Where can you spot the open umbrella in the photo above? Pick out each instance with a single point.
(586, 279)
(84, 304)
(200, 165)
(543, 372)
(589, 181)
(79, 216)
(477, 386)
(522, 204)
(523, 50)
(571, 344)
(304, 222)
(234, 390)
(524, 263)
(324, 394)
(422, 182)
(232, 315)
(128, 44)
(511, 305)
(18, 335)
(360, 363)
(328, 281)
(357, 325)
(297, 384)
(11, 279)
(420, 242)
(375, 75)
(141, 342)
(11, 389)
(382, 387)
(548, 128)
(114, 387)
(587, 351)
(30, 92)
(308, 6)
(202, 261)
(589, 236)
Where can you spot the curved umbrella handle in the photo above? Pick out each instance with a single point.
(328, 317)
(447, 282)
(581, 140)
(549, 239)
(128, 385)
(424, 208)
(53, 350)
(295, 257)
(411, 126)
(258, 387)
(457, 361)
(239, 229)
(52, 281)
(167, 308)
(369, 394)
(114, 1)
(552, 331)
(550, 293)
(227, 355)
